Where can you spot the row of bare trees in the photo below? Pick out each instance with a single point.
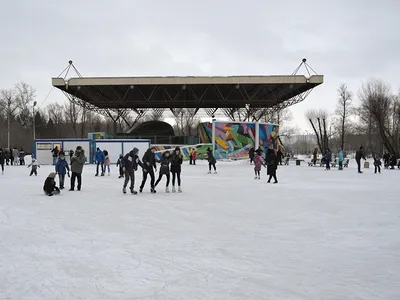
(373, 123)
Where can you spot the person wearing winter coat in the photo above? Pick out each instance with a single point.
(315, 154)
(176, 168)
(55, 152)
(21, 157)
(164, 169)
(120, 164)
(377, 163)
(107, 162)
(62, 169)
(211, 161)
(16, 156)
(77, 162)
(49, 186)
(340, 158)
(149, 162)
(272, 165)
(280, 155)
(194, 155)
(131, 162)
(328, 159)
(258, 162)
(2, 160)
(35, 165)
(71, 153)
(359, 155)
(251, 154)
(190, 156)
(386, 160)
(99, 160)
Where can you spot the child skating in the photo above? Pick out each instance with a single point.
(49, 187)
(164, 169)
(258, 162)
(107, 162)
(62, 169)
(35, 165)
(120, 164)
(377, 163)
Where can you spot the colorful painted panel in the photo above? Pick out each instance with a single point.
(185, 150)
(268, 136)
(232, 140)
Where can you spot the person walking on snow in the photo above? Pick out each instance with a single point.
(359, 155)
(149, 162)
(272, 165)
(258, 162)
(77, 162)
(106, 162)
(99, 159)
(377, 163)
(328, 159)
(211, 161)
(2, 160)
(35, 165)
(49, 186)
(164, 169)
(131, 162)
(62, 169)
(340, 158)
(120, 164)
(176, 168)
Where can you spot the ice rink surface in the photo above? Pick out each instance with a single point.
(316, 235)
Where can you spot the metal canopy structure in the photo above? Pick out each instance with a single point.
(119, 96)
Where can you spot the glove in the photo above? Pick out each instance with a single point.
(144, 170)
(68, 174)
(123, 169)
(148, 163)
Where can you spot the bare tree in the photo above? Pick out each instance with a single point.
(381, 108)
(319, 121)
(344, 109)
(186, 123)
(24, 97)
(72, 112)
(56, 114)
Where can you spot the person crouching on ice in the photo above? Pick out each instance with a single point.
(49, 187)
(258, 162)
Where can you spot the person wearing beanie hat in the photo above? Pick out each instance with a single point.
(35, 165)
(164, 169)
(49, 186)
(77, 163)
(149, 162)
(176, 163)
(62, 169)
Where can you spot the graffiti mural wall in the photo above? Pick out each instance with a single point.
(233, 140)
(185, 150)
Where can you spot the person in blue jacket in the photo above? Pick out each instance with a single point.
(62, 168)
(99, 159)
(121, 165)
(328, 159)
(340, 159)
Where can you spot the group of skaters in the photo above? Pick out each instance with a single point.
(271, 162)
(12, 156)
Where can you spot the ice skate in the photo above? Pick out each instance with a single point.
(153, 191)
(124, 190)
(102, 174)
(215, 172)
(179, 189)
(167, 189)
(209, 172)
(173, 189)
(258, 177)
(108, 174)
(97, 174)
(140, 189)
(133, 191)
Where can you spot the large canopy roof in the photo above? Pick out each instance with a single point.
(232, 92)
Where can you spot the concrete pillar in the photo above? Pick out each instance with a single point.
(257, 136)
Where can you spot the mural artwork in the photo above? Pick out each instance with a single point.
(185, 150)
(268, 136)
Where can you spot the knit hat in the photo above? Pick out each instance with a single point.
(177, 149)
(52, 175)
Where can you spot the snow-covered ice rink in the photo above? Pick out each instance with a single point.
(315, 235)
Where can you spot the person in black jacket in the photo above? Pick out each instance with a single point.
(359, 155)
(176, 163)
(211, 161)
(130, 165)
(272, 165)
(149, 162)
(164, 169)
(49, 187)
(252, 153)
(2, 159)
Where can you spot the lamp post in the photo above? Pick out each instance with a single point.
(34, 125)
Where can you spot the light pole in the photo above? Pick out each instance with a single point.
(34, 125)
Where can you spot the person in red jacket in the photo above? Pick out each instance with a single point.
(194, 156)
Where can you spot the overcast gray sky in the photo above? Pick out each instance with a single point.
(347, 41)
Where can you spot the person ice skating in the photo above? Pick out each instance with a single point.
(191, 156)
(121, 164)
(328, 159)
(149, 162)
(377, 163)
(164, 169)
(55, 153)
(258, 162)
(194, 156)
(176, 168)
(315, 154)
(107, 162)
(21, 157)
(16, 156)
(340, 159)
(359, 155)
(62, 169)
(251, 154)
(99, 159)
(49, 186)
(280, 155)
(386, 160)
(131, 162)
(2, 160)
(71, 153)
(35, 165)
(211, 161)
(272, 165)
(77, 162)
(7, 156)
